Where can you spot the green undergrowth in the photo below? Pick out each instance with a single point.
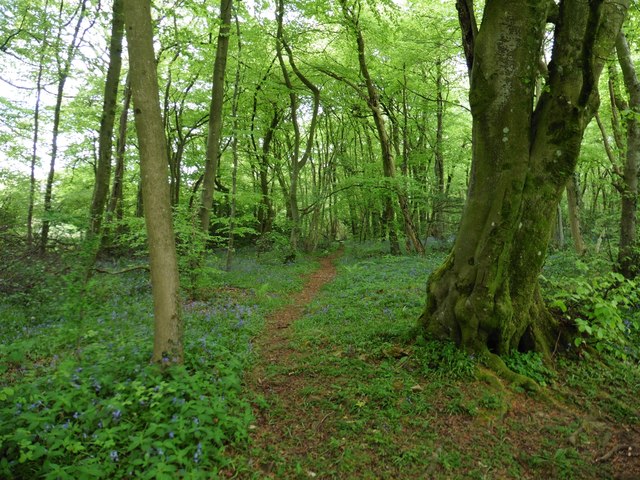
(80, 399)
(383, 402)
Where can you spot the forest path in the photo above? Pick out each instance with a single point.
(285, 425)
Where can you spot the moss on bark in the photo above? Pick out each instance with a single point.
(486, 296)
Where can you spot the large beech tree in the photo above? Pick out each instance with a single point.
(155, 187)
(486, 296)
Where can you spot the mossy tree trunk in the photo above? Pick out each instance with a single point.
(486, 296)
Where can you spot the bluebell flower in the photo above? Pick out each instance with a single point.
(196, 456)
(114, 455)
(116, 414)
(172, 435)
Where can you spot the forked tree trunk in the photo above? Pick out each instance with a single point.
(486, 295)
(105, 142)
(298, 159)
(167, 345)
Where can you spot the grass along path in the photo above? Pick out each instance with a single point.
(342, 389)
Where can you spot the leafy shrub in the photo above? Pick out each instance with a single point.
(605, 310)
(275, 247)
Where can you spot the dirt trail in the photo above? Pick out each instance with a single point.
(286, 426)
(299, 432)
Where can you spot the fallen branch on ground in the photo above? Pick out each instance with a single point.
(124, 270)
(615, 450)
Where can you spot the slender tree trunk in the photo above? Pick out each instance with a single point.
(573, 201)
(628, 255)
(559, 229)
(298, 160)
(265, 209)
(139, 201)
(115, 206)
(388, 163)
(215, 115)
(63, 72)
(105, 146)
(34, 154)
(486, 295)
(165, 286)
(234, 151)
(437, 225)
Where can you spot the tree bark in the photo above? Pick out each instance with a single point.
(486, 296)
(168, 331)
(215, 115)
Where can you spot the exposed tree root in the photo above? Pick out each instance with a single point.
(497, 365)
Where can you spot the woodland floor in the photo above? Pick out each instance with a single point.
(324, 410)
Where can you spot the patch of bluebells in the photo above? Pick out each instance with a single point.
(108, 392)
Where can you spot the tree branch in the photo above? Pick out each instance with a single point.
(469, 28)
